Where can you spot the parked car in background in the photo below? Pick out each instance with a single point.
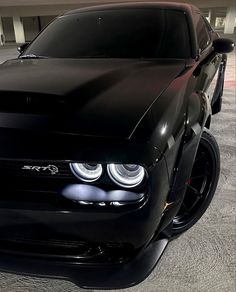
(106, 153)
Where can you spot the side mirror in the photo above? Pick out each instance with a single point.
(223, 46)
(22, 47)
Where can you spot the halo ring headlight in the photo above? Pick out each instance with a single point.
(126, 175)
(86, 172)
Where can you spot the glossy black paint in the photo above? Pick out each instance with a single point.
(22, 47)
(223, 46)
(123, 276)
(86, 95)
(133, 111)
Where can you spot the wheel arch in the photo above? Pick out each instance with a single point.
(198, 116)
(208, 122)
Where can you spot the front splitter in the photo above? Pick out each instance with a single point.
(92, 276)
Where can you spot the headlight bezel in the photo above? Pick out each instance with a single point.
(117, 178)
(78, 168)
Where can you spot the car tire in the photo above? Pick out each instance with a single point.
(202, 184)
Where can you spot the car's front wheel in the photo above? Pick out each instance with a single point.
(201, 185)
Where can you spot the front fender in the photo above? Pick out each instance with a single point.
(216, 102)
(198, 112)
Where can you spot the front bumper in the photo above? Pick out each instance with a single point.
(96, 246)
(103, 276)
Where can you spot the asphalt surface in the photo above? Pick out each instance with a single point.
(202, 259)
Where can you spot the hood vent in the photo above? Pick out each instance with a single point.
(13, 102)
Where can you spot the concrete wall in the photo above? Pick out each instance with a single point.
(8, 29)
(33, 25)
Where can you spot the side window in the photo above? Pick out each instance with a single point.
(202, 33)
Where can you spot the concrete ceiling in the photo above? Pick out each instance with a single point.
(199, 3)
(7, 3)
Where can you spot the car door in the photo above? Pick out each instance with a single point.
(209, 62)
(212, 66)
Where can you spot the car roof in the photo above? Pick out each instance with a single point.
(188, 8)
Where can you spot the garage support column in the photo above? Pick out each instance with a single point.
(212, 17)
(230, 20)
(19, 30)
(1, 33)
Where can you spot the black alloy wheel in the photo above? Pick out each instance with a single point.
(201, 185)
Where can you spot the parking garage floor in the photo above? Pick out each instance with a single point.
(204, 258)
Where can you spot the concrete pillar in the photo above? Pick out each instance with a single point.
(1, 33)
(230, 20)
(19, 30)
(212, 17)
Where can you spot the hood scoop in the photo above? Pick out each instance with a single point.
(35, 103)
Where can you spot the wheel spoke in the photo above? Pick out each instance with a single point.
(197, 177)
(197, 186)
(195, 203)
(196, 192)
(203, 185)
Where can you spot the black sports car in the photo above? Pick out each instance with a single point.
(105, 150)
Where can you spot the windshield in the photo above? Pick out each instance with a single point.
(120, 33)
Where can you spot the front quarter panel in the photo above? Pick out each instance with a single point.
(174, 126)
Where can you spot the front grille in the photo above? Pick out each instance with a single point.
(34, 188)
(35, 169)
(39, 241)
(50, 247)
(71, 250)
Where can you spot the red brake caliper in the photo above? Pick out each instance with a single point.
(189, 181)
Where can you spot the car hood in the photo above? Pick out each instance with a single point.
(94, 97)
